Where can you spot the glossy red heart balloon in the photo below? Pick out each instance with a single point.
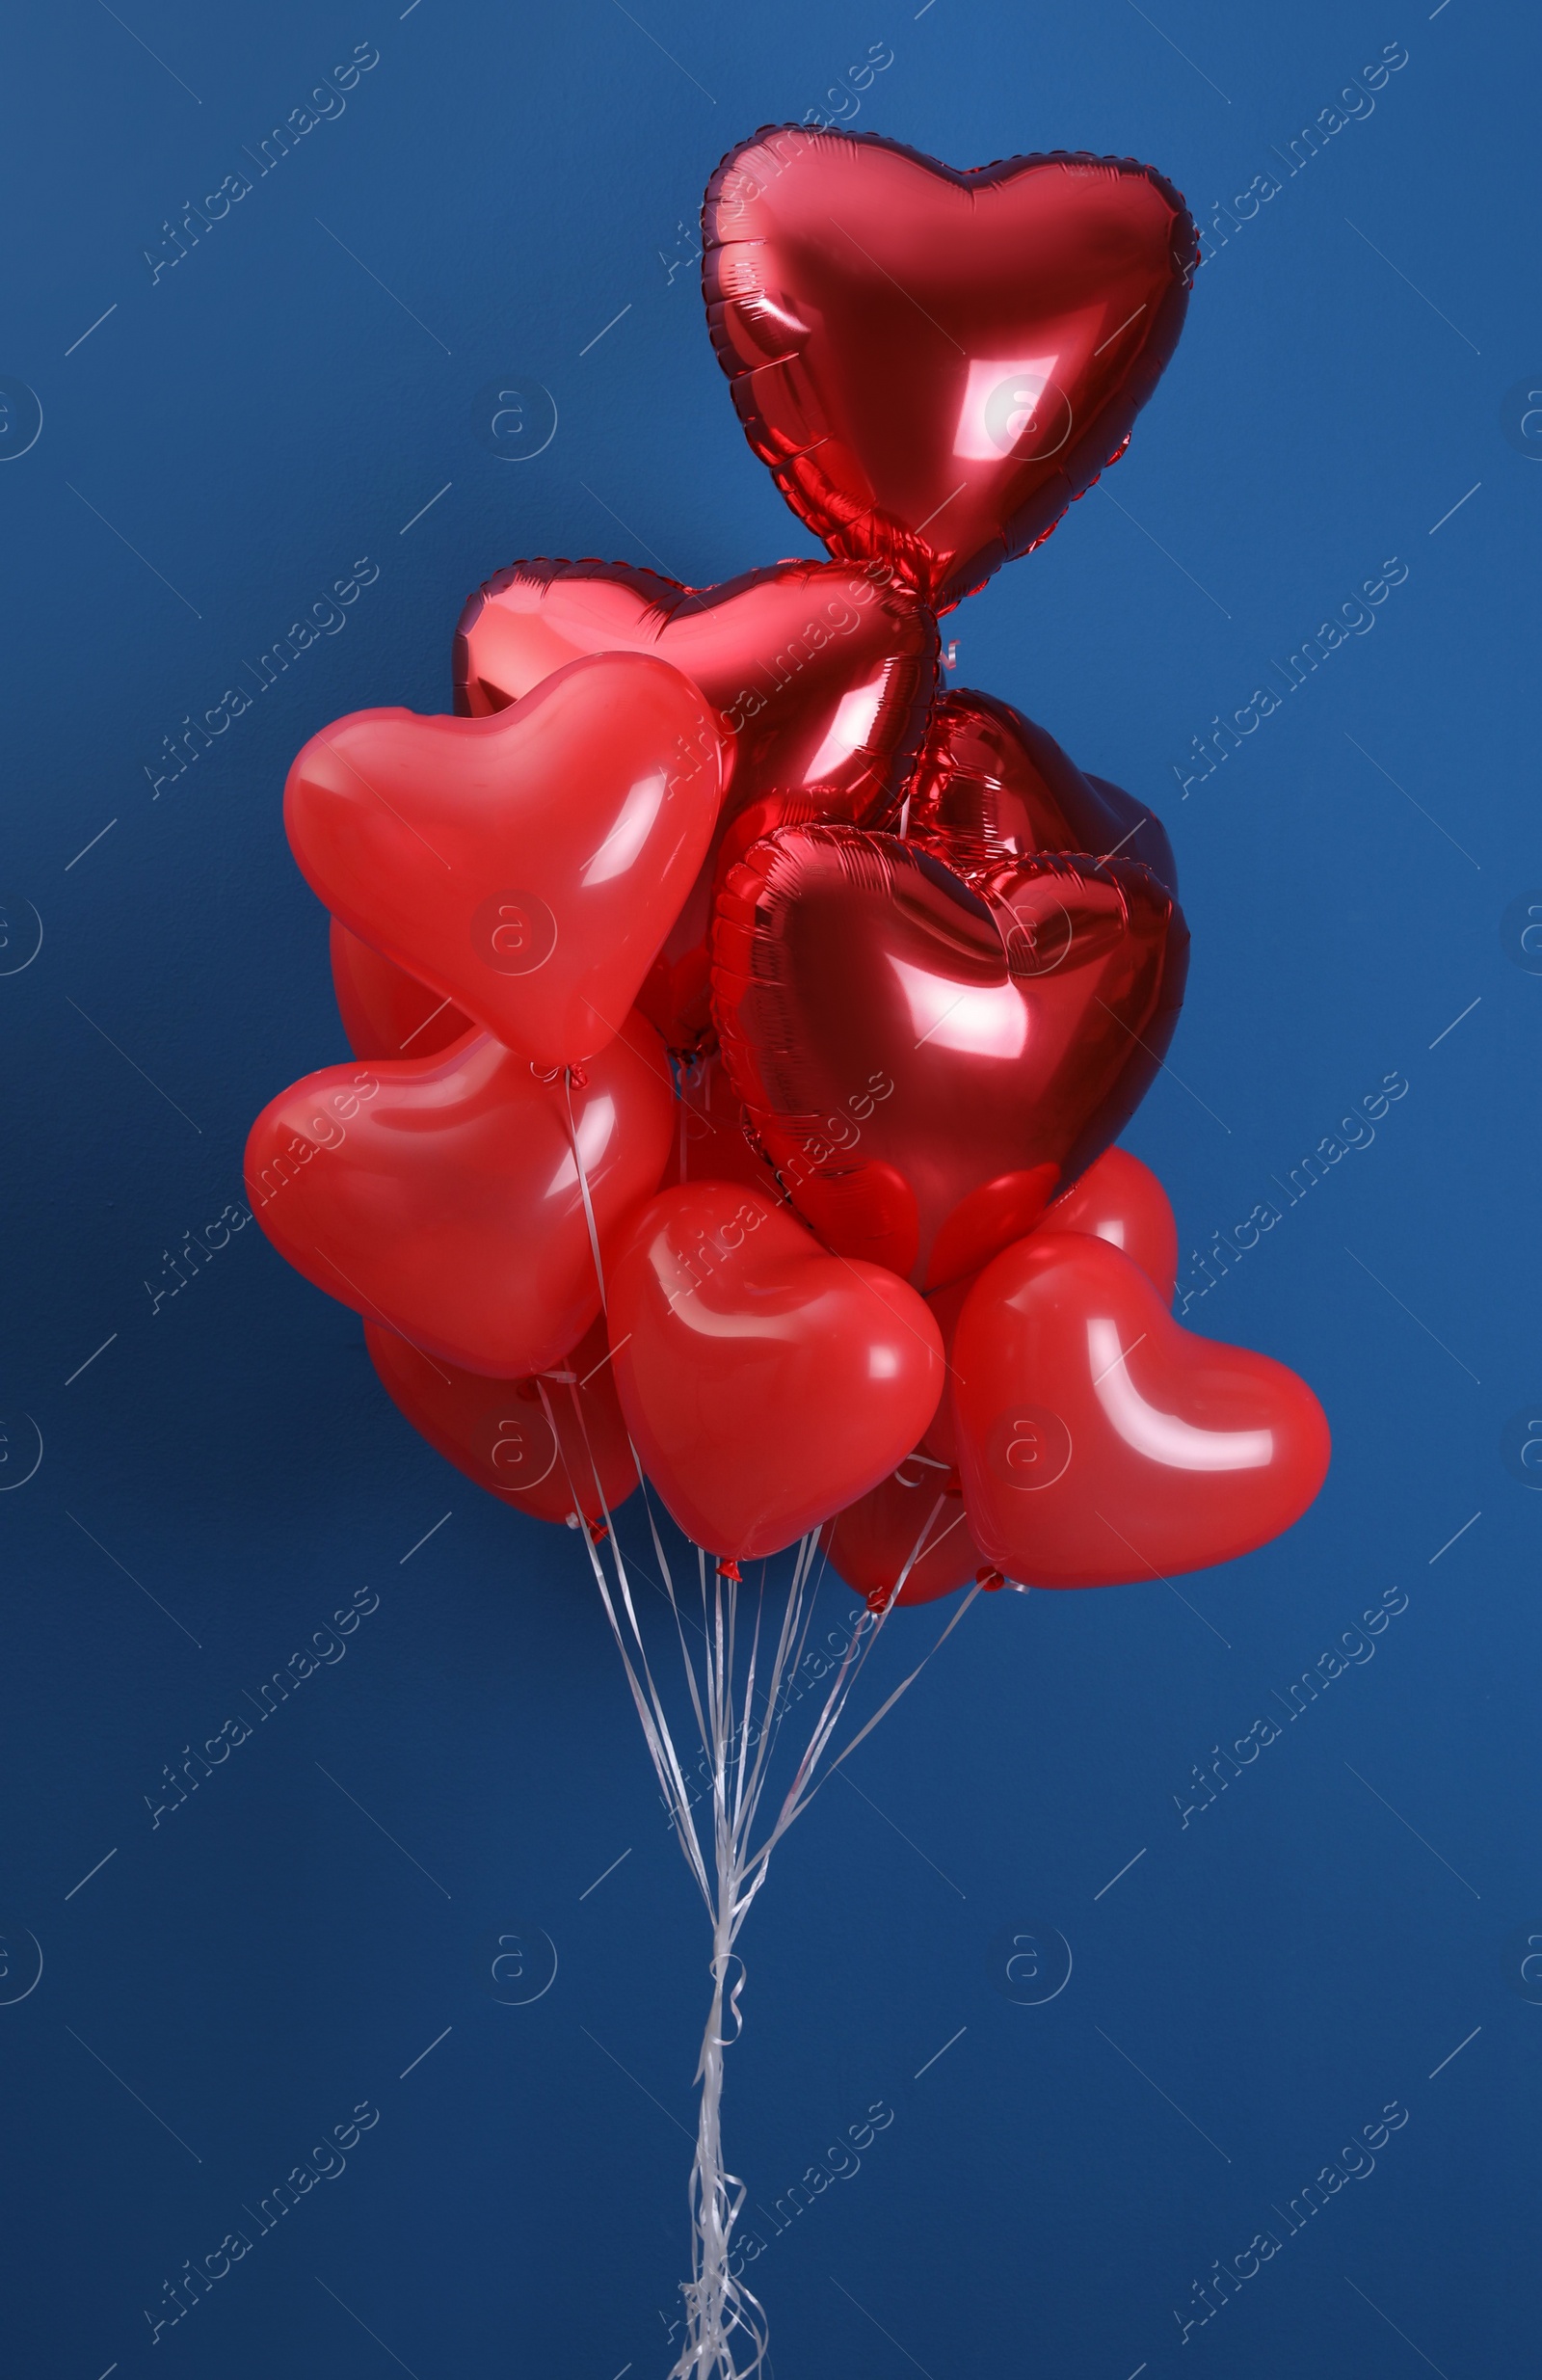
(1100, 1442)
(1121, 1200)
(818, 680)
(927, 1061)
(991, 785)
(538, 1443)
(933, 363)
(441, 1197)
(765, 1382)
(912, 1526)
(713, 1140)
(1117, 1199)
(529, 866)
(386, 1012)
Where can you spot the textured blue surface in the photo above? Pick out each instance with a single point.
(219, 443)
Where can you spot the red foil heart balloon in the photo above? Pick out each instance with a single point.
(526, 867)
(765, 1382)
(442, 1198)
(817, 678)
(1118, 1200)
(1099, 1442)
(386, 1012)
(537, 1443)
(912, 1526)
(992, 787)
(926, 1062)
(933, 363)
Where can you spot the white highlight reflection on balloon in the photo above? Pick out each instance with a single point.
(985, 1020)
(1164, 1437)
(630, 830)
(1000, 398)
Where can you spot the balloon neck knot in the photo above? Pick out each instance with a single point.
(990, 1580)
(598, 1532)
(953, 1485)
(730, 1571)
(577, 1077)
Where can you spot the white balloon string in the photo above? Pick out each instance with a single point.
(583, 1185)
(739, 1724)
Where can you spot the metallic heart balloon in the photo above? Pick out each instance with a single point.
(1100, 1442)
(991, 785)
(386, 1012)
(818, 679)
(927, 1061)
(933, 363)
(765, 1382)
(1117, 1199)
(526, 867)
(441, 1197)
(550, 1446)
(912, 1528)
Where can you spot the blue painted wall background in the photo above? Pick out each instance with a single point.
(215, 451)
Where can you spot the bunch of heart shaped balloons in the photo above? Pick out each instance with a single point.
(742, 1027)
